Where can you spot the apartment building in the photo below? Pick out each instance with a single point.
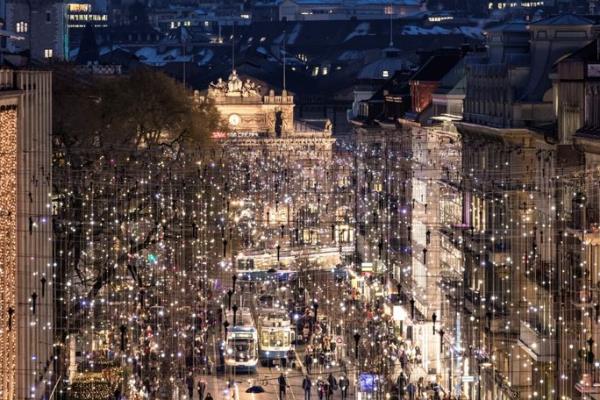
(26, 293)
(41, 27)
(510, 173)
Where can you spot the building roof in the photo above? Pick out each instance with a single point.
(515, 26)
(563, 19)
(384, 68)
(360, 2)
(590, 52)
(437, 66)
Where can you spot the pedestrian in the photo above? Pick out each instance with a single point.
(189, 381)
(411, 389)
(307, 386)
(282, 384)
(436, 392)
(332, 383)
(208, 396)
(308, 360)
(326, 390)
(403, 360)
(400, 385)
(344, 383)
(320, 389)
(201, 389)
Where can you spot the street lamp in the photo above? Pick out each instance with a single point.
(229, 294)
(356, 340)
(226, 325)
(123, 330)
(235, 309)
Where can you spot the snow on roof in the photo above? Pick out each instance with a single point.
(150, 56)
(361, 29)
(415, 30)
(350, 55)
(207, 55)
(291, 38)
(471, 31)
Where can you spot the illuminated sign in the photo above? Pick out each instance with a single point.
(233, 135)
(219, 135)
(80, 8)
(366, 382)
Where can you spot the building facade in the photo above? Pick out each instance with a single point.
(283, 180)
(27, 300)
(41, 26)
(313, 10)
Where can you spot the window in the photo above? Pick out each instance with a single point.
(48, 53)
(22, 27)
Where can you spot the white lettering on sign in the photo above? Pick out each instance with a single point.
(233, 135)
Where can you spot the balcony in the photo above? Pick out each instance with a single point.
(536, 342)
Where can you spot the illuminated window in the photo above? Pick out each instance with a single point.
(22, 27)
(48, 53)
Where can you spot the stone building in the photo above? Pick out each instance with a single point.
(26, 292)
(282, 179)
(497, 181)
(577, 102)
(43, 26)
(515, 333)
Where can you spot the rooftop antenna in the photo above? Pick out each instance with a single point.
(233, 48)
(391, 12)
(284, 61)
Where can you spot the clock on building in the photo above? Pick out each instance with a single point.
(234, 120)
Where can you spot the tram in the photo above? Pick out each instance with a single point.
(276, 335)
(240, 348)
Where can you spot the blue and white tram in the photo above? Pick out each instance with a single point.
(276, 335)
(241, 344)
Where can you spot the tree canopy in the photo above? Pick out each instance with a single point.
(125, 178)
(141, 110)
